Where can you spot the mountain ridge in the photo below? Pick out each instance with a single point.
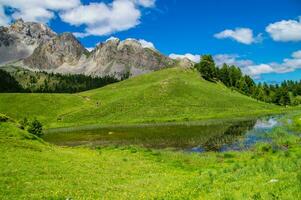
(43, 49)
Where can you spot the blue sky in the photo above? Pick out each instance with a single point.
(263, 37)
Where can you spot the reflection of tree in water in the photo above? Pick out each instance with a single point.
(230, 136)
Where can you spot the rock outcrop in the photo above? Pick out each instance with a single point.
(19, 40)
(115, 57)
(59, 50)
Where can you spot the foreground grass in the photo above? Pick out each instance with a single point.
(33, 169)
(164, 96)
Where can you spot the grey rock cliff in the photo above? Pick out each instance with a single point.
(19, 40)
(115, 57)
(59, 50)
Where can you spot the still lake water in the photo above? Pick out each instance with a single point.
(239, 135)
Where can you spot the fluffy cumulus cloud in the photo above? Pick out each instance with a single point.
(287, 65)
(104, 19)
(242, 35)
(98, 18)
(232, 59)
(285, 30)
(36, 10)
(194, 58)
(255, 70)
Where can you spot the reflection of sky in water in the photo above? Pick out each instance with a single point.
(255, 135)
(266, 123)
(251, 137)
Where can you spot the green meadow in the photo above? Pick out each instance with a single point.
(33, 169)
(168, 95)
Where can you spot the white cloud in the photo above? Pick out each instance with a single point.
(287, 65)
(297, 54)
(80, 35)
(145, 3)
(255, 70)
(194, 58)
(98, 18)
(103, 19)
(231, 59)
(285, 30)
(146, 44)
(242, 35)
(37, 10)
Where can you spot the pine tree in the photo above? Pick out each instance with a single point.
(207, 68)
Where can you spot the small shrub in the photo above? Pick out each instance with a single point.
(23, 123)
(3, 118)
(228, 155)
(35, 128)
(264, 147)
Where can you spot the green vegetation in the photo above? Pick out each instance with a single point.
(173, 94)
(287, 93)
(8, 83)
(21, 80)
(33, 169)
(35, 127)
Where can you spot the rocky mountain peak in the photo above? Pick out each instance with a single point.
(31, 30)
(39, 47)
(19, 40)
(116, 57)
(59, 50)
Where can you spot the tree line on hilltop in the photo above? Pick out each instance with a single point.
(286, 93)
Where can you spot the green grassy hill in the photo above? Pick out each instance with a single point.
(169, 95)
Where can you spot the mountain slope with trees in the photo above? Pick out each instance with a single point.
(26, 81)
(287, 93)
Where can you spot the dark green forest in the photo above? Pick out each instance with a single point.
(286, 93)
(43, 82)
(8, 83)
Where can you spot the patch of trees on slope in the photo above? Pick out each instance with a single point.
(286, 93)
(43, 82)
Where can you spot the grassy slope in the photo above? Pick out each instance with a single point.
(168, 95)
(32, 169)
(45, 107)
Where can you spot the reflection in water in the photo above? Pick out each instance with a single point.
(230, 136)
(198, 138)
(266, 123)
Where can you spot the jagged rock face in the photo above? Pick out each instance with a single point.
(19, 40)
(116, 57)
(40, 48)
(59, 50)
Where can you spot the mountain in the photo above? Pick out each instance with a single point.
(121, 57)
(19, 40)
(60, 50)
(173, 94)
(35, 46)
